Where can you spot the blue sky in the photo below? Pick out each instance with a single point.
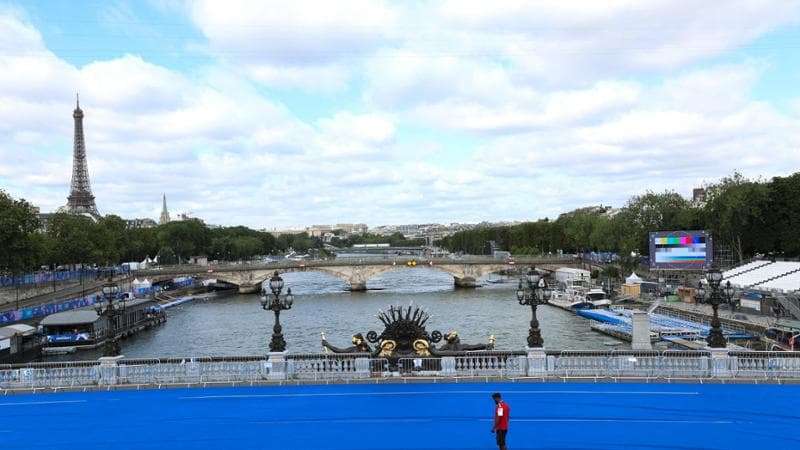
(275, 114)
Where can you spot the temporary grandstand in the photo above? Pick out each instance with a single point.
(776, 276)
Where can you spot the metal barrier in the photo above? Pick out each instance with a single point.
(84, 373)
(337, 366)
(491, 364)
(643, 364)
(768, 365)
(698, 365)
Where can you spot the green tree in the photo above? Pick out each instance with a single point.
(780, 216)
(167, 256)
(72, 239)
(20, 248)
(186, 238)
(652, 212)
(142, 243)
(735, 208)
(111, 240)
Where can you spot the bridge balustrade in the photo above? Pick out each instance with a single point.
(691, 365)
(636, 364)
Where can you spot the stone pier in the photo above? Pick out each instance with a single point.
(465, 282)
(358, 286)
(249, 288)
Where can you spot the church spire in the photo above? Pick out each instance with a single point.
(164, 213)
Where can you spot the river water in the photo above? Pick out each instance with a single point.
(236, 325)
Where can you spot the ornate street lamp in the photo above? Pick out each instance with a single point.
(276, 303)
(533, 292)
(110, 310)
(718, 295)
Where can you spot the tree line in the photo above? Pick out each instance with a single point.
(749, 217)
(68, 239)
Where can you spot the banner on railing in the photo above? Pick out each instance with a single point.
(70, 337)
(45, 310)
(58, 276)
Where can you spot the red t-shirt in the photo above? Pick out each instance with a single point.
(501, 414)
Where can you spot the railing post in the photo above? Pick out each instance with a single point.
(278, 370)
(448, 366)
(720, 363)
(537, 362)
(362, 368)
(108, 370)
(26, 377)
(192, 368)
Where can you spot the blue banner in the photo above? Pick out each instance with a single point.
(70, 337)
(46, 310)
(58, 276)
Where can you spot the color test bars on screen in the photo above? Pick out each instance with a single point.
(685, 249)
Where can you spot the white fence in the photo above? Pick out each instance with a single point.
(699, 365)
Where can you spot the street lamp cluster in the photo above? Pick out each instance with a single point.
(718, 294)
(111, 310)
(276, 303)
(534, 291)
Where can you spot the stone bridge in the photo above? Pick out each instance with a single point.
(356, 271)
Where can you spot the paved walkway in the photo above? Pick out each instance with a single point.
(65, 293)
(409, 416)
(724, 313)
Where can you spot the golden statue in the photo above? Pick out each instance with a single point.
(422, 347)
(387, 348)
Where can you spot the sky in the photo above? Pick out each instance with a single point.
(287, 114)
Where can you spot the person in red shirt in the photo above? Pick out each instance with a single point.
(501, 416)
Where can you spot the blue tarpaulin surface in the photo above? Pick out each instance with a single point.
(409, 416)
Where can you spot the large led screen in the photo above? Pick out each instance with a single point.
(680, 250)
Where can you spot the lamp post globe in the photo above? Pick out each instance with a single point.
(276, 283)
(289, 299)
(714, 276)
(533, 276)
(701, 292)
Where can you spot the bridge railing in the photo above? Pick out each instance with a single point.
(335, 366)
(642, 364)
(692, 365)
(354, 261)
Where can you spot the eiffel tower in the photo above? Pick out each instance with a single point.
(80, 200)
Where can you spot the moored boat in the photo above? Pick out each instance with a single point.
(85, 328)
(592, 299)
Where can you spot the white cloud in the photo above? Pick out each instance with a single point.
(376, 129)
(296, 44)
(572, 40)
(459, 111)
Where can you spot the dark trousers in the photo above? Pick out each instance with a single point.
(500, 435)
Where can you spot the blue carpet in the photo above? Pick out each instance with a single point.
(410, 416)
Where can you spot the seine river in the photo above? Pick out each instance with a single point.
(236, 324)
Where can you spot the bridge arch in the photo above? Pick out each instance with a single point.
(356, 273)
(357, 276)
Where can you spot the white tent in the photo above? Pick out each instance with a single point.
(141, 284)
(633, 279)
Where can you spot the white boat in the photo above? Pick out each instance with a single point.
(591, 299)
